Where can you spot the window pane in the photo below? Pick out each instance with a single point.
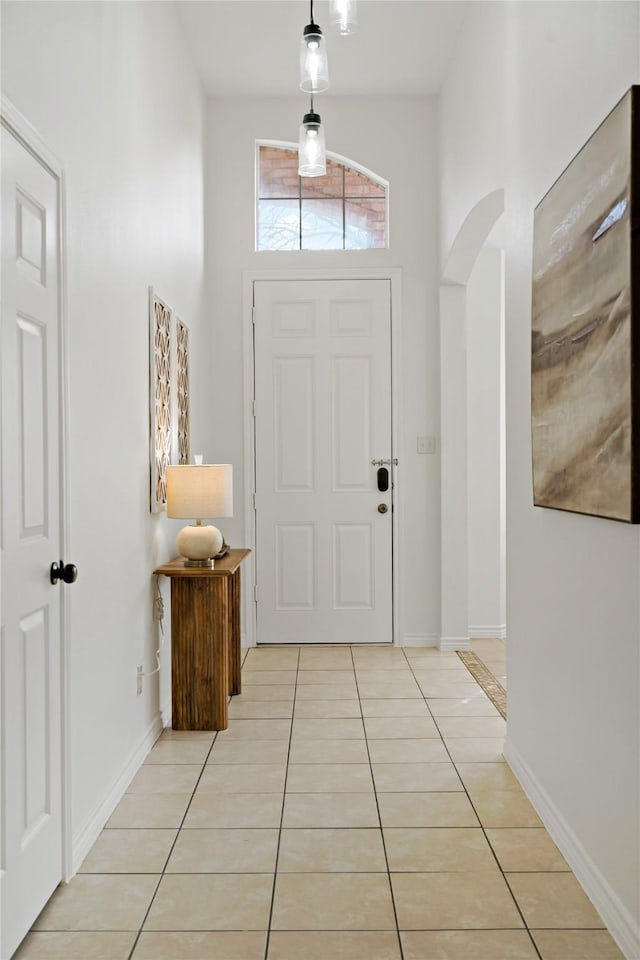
(278, 172)
(327, 186)
(278, 225)
(358, 185)
(364, 224)
(345, 209)
(322, 225)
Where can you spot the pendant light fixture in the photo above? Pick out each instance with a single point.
(344, 16)
(312, 158)
(314, 70)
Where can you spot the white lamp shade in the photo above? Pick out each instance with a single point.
(200, 492)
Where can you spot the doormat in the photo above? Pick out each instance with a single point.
(493, 689)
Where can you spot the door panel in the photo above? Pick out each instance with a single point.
(323, 413)
(32, 434)
(351, 435)
(353, 580)
(295, 560)
(32, 684)
(294, 423)
(30, 681)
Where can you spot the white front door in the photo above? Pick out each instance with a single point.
(322, 415)
(30, 642)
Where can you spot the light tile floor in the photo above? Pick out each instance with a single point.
(357, 808)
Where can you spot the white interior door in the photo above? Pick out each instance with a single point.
(322, 415)
(30, 639)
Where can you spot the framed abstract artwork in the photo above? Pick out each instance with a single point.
(585, 344)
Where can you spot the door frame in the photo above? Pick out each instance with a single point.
(249, 278)
(26, 134)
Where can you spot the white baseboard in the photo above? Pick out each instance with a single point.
(454, 643)
(165, 714)
(89, 832)
(489, 633)
(621, 924)
(419, 640)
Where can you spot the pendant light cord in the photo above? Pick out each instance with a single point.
(312, 20)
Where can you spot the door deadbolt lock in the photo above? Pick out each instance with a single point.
(383, 479)
(382, 508)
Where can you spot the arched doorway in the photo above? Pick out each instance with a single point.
(456, 311)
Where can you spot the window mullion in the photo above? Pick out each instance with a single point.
(300, 210)
(344, 212)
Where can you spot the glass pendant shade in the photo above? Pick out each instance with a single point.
(344, 16)
(314, 69)
(312, 160)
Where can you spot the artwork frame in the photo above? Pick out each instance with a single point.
(169, 395)
(181, 392)
(585, 327)
(160, 397)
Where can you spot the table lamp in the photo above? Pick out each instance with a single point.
(199, 492)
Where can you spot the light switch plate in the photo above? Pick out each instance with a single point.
(426, 444)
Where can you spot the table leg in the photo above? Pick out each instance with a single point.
(200, 617)
(235, 652)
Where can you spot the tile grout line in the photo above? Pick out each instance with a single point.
(284, 798)
(175, 840)
(375, 794)
(482, 827)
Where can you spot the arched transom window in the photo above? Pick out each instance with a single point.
(344, 210)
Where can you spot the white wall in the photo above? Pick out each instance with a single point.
(112, 92)
(528, 84)
(395, 138)
(485, 446)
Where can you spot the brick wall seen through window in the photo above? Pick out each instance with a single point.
(344, 210)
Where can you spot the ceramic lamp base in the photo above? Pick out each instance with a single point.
(199, 543)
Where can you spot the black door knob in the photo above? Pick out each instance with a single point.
(63, 571)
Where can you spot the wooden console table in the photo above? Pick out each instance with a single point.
(205, 641)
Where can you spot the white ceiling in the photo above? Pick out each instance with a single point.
(248, 48)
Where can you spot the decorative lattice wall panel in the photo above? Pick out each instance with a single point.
(182, 389)
(160, 407)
